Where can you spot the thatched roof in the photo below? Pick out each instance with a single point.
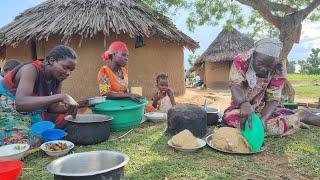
(89, 17)
(227, 45)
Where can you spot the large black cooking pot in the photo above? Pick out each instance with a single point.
(88, 129)
(212, 116)
(94, 165)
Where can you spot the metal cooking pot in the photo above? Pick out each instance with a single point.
(94, 165)
(212, 116)
(88, 129)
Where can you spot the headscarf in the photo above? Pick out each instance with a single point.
(268, 46)
(115, 46)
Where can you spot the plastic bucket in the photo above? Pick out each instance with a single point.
(53, 134)
(10, 170)
(40, 127)
(126, 113)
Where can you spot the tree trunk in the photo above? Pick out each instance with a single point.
(288, 37)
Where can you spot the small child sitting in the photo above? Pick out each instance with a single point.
(163, 100)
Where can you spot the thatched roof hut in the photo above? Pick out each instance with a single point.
(88, 27)
(214, 64)
(88, 18)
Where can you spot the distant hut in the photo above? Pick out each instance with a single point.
(214, 64)
(89, 27)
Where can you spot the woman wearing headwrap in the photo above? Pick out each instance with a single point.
(33, 89)
(113, 77)
(256, 81)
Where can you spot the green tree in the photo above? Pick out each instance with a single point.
(281, 18)
(313, 62)
(303, 66)
(193, 58)
(291, 67)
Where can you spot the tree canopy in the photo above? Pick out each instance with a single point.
(280, 18)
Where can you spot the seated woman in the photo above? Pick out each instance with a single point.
(36, 87)
(113, 77)
(163, 100)
(256, 80)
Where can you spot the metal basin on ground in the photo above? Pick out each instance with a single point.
(94, 165)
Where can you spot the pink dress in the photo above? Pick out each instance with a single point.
(266, 89)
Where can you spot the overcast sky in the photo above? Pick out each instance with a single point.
(310, 37)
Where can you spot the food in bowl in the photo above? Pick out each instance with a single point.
(230, 139)
(60, 146)
(185, 139)
(57, 148)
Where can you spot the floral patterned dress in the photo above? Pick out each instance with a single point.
(14, 127)
(266, 89)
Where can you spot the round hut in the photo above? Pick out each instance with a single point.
(155, 44)
(214, 64)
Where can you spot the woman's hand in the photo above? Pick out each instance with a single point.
(135, 97)
(83, 103)
(71, 104)
(246, 111)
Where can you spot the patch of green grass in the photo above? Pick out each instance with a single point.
(307, 91)
(152, 158)
(310, 77)
(306, 86)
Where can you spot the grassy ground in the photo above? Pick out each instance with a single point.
(306, 86)
(294, 157)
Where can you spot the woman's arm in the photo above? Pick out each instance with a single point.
(246, 108)
(114, 95)
(237, 93)
(24, 99)
(268, 110)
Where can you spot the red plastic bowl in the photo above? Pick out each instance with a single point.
(10, 170)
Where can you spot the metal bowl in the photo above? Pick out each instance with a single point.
(88, 129)
(90, 165)
(13, 151)
(201, 143)
(209, 139)
(212, 116)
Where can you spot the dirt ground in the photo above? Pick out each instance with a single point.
(218, 98)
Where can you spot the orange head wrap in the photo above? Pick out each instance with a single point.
(116, 46)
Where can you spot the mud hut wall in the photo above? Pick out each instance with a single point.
(217, 74)
(155, 58)
(22, 52)
(144, 63)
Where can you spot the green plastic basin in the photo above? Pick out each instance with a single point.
(126, 113)
(254, 136)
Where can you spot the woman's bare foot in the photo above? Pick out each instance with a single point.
(307, 117)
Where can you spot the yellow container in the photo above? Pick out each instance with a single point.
(136, 90)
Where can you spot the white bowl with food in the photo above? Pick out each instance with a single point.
(13, 151)
(200, 144)
(185, 141)
(57, 148)
(156, 116)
